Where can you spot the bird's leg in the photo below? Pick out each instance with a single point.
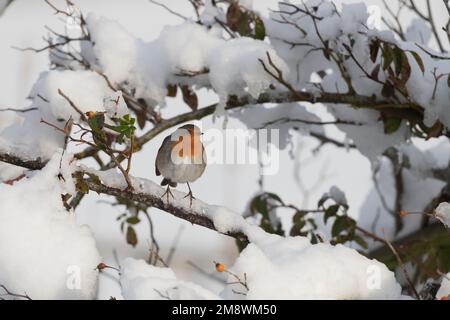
(190, 195)
(167, 193)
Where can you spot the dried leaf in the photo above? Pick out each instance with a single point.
(172, 90)
(190, 97)
(375, 71)
(131, 236)
(374, 47)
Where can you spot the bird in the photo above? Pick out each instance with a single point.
(181, 159)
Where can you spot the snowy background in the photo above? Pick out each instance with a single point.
(300, 182)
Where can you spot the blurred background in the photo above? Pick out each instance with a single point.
(302, 178)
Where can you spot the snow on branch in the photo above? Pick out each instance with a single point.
(150, 194)
(147, 193)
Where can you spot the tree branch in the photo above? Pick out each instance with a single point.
(150, 196)
(32, 164)
(234, 102)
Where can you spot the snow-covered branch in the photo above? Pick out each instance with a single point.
(150, 194)
(402, 110)
(145, 192)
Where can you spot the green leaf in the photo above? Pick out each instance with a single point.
(339, 225)
(419, 61)
(273, 196)
(360, 241)
(133, 220)
(312, 222)
(391, 125)
(297, 228)
(259, 205)
(299, 215)
(322, 201)
(399, 56)
(97, 121)
(331, 211)
(131, 236)
(243, 26)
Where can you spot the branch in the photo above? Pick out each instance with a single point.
(234, 102)
(5, 6)
(148, 193)
(32, 164)
(169, 10)
(426, 235)
(14, 295)
(18, 110)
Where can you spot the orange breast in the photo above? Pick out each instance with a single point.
(188, 146)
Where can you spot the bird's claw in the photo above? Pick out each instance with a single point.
(167, 193)
(191, 196)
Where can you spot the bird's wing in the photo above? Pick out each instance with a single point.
(166, 140)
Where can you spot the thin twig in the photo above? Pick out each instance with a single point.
(402, 266)
(169, 10)
(15, 295)
(19, 110)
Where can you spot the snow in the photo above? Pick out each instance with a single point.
(141, 281)
(115, 105)
(418, 31)
(275, 267)
(29, 138)
(353, 16)
(442, 212)
(375, 216)
(43, 252)
(228, 67)
(86, 89)
(265, 116)
(292, 268)
(224, 220)
(117, 63)
(236, 65)
(186, 48)
(337, 195)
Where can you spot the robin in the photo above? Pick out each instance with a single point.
(181, 159)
